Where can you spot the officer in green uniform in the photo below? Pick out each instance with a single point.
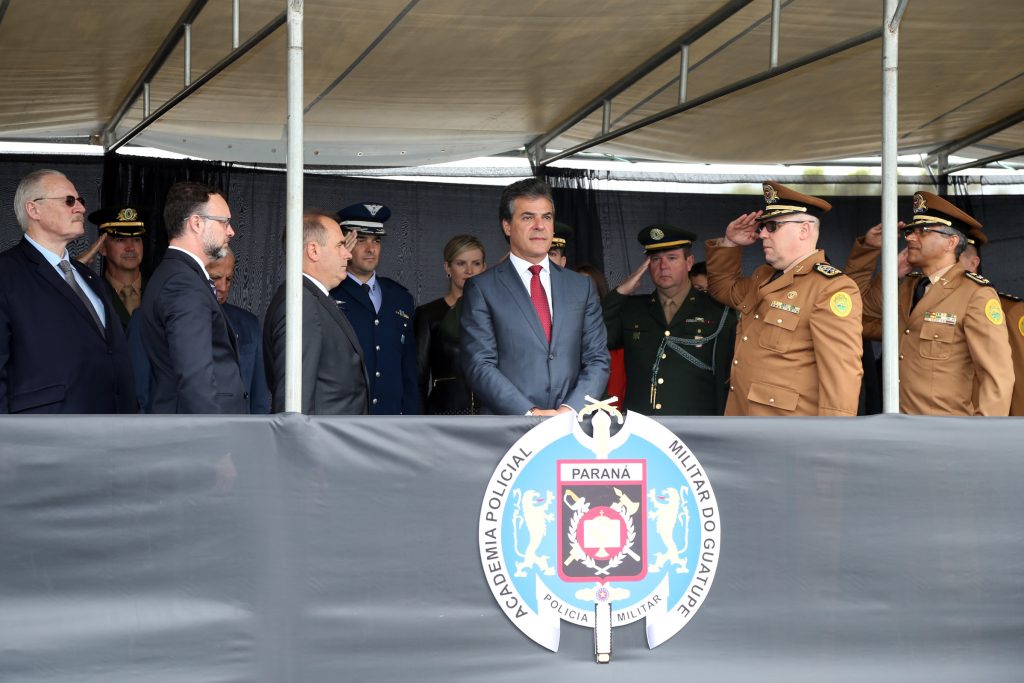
(678, 341)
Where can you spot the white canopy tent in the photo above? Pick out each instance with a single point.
(405, 82)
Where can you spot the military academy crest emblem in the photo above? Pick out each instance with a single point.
(600, 530)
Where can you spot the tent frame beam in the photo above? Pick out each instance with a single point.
(975, 136)
(986, 161)
(670, 51)
(194, 84)
(768, 74)
(156, 63)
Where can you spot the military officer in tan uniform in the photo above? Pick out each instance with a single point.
(678, 341)
(1013, 307)
(953, 327)
(798, 344)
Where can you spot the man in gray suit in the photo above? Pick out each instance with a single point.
(334, 380)
(533, 339)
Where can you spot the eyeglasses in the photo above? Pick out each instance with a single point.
(921, 229)
(226, 222)
(772, 226)
(69, 200)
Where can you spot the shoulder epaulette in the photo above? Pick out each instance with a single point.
(977, 278)
(1011, 297)
(827, 269)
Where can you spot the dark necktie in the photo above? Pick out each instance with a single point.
(69, 277)
(775, 276)
(540, 301)
(922, 284)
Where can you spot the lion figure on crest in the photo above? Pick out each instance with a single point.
(669, 508)
(532, 510)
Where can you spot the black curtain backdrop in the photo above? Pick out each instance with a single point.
(576, 204)
(143, 186)
(426, 214)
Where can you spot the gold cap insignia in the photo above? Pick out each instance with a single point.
(657, 234)
(920, 206)
(127, 215)
(770, 194)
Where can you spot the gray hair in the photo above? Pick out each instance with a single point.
(28, 189)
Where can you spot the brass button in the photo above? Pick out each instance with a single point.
(735, 362)
(756, 316)
(664, 356)
(906, 331)
(935, 336)
(732, 388)
(661, 380)
(744, 337)
(771, 400)
(667, 333)
(901, 356)
(657, 406)
(779, 321)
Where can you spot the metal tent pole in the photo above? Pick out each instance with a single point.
(890, 91)
(293, 240)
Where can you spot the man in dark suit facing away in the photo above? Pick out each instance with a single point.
(191, 346)
(334, 380)
(533, 337)
(62, 349)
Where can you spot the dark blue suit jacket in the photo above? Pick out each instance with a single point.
(250, 357)
(53, 358)
(189, 342)
(389, 345)
(508, 362)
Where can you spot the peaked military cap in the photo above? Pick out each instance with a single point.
(118, 222)
(366, 218)
(932, 210)
(563, 233)
(782, 201)
(662, 237)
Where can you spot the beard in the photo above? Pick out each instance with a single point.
(212, 249)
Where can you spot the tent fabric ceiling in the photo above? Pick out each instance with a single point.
(408, 82)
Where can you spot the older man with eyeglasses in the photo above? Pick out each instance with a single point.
(798, 343)
(954, 349)
(191, 347)
(61, 347)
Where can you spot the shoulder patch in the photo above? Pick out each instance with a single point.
(1009, 297)
(977, 278)
(827, 269)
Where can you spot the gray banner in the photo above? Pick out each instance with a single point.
(317, 549)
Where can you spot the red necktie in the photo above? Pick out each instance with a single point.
(540, 301)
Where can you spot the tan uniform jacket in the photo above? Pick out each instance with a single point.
(954, 337)
(1014, 309)
(798, 343)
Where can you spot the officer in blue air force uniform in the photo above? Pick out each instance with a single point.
(381, 312)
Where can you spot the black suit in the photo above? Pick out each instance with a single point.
(334, 380)
(53, 358)
(190, 344)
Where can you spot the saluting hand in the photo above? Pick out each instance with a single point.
(351, 237)
(633, 281)
(873, 237)
(90, 253)
(742, 231)
(902, 264)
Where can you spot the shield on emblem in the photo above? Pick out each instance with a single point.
(602, 520)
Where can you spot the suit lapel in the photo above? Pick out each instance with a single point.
(53, 279)
(358, 294)
(331, 306)
(514, 284)
(191, 263)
